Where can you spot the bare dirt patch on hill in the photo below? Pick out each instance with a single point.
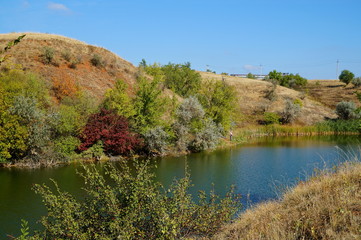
(331, 92)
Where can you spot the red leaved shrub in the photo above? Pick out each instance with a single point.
(113, 130)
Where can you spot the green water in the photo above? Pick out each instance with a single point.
(257, 170)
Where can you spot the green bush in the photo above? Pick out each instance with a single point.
(271, 118)
(346, 110)
(287, 80)
(130, 204)
(219, 102)
(156, 140)
(339, 126)
(271, 94)
(356, 82)
(290, 112)
(178, 77)
(67, 145)
(298, 102)
(194, 131)
(251, 76)
(96, 61)
(66, 55)
(207, 137)
(48, 55)
(94, 152)
(118, 100)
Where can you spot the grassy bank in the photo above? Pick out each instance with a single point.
(328, 206)
(339, 127)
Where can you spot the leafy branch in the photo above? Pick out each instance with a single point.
(9, 46)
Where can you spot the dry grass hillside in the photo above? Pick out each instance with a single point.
(331, 92)
(71, 67)
(253, 100)
(325, 207)
(71, 63)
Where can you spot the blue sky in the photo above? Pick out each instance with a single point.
(296, 36)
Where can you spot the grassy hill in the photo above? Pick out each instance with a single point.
(253, 100)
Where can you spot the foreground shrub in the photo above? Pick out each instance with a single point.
(346, 110)
(130, 204)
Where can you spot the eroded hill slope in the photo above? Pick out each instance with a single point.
(71, 62)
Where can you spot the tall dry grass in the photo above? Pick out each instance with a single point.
(327, 206)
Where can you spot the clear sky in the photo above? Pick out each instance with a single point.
(296, 36)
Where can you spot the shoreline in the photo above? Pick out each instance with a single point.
(242, 136)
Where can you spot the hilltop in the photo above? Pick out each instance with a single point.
(71, 62)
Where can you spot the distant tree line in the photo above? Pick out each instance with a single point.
(286, 80)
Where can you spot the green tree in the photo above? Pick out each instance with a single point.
(143, 63)
(289, 80)
(346, 76)
(37, 122)
(219, 102)
(23, 125)
(13, 136)
(274, 75)
(118, 100)
(182, 79)
(251, 76)
(148, 104)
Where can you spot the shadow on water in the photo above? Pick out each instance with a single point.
(258, 170)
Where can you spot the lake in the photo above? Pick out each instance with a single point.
(260, 171)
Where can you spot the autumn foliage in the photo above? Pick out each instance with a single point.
(64, 86)
(113, 130)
